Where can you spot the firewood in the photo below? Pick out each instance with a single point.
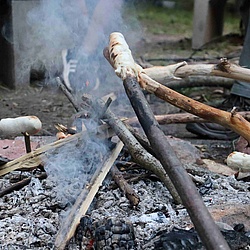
(19, 125)
(223, 69)
(234, 121)
(179, 118)
(199, 81)
(239, 161)
(125, 187)
(68, 94)
(84, 200)
(16, 186)
(207, 229)
(139, 154)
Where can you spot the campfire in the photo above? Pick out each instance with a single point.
(139, 191)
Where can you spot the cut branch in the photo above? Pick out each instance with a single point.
(139, 154)
(235, 122)
(223, 69)
(205, 226)
(84, 200)
(125, 187)
(180, 118)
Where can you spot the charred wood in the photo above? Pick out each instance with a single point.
(207, 229)
(125, 187)
(139, 154)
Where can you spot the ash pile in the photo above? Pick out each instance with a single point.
(32, 216)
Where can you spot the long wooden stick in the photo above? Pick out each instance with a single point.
(180, 118)
(84, 200)
(223, 69)
(129, 72)
(234, 121)
(204, 224)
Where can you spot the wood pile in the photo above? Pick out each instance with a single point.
(153, 152)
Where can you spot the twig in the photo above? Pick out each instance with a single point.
(125, 187)
(68, 94)
(139, 154)
(16, 186)
(84, 200)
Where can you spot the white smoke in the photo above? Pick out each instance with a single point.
(42, 29)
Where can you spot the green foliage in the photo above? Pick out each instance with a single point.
(179, 20)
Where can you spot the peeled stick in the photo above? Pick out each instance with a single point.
(19, 125)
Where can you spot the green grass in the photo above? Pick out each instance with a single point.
(158, 20)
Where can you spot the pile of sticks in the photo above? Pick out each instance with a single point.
(154, 153)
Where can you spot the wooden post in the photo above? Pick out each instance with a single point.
(208, 21)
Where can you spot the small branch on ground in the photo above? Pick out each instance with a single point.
(125, 187)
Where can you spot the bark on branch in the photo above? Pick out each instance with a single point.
(130, 73)
(234, 121)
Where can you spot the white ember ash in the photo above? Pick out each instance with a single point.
(31, 216)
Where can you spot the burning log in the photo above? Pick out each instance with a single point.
(84, 200)
(20, 125)
(207, 229)
(125, 187)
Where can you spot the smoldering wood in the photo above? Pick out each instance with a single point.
(37, 156)
(81, 205)
(180, 118)
(14, 187)
(139, 154)
(203, 221)
(127, 190)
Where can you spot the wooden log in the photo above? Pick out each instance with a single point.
(199, 81)
(180, 118)
(233, 120)
(138, 153)
(125, 187)
(222, 69)
(84, 200)
(204, 224)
